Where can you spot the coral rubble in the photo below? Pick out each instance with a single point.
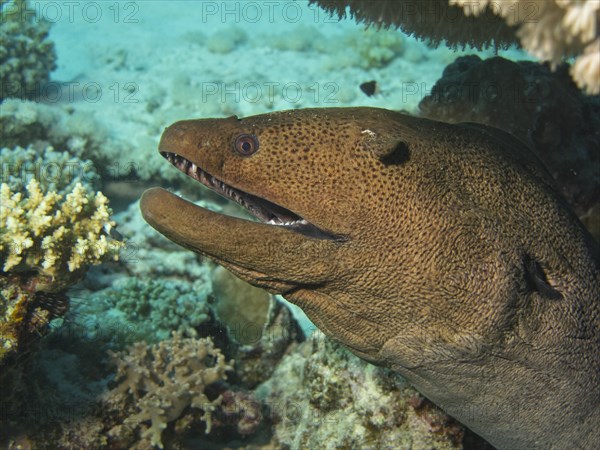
(151, 255)
(30, 124)
(224, 41)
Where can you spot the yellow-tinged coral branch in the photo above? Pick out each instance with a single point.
(52, 235)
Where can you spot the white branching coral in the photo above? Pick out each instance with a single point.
(586, 69)
(55, 236)
(551, 30)
(166, 378)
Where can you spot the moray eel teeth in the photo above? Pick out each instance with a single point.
(266, 211)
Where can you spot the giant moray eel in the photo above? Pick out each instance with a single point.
(441, 251)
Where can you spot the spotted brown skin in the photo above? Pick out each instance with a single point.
(441, 251)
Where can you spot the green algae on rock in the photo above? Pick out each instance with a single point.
(151, 309)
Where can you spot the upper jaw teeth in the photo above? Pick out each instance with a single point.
(280, 223)
(192, 170)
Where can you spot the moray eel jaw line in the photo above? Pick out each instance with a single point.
(266, 211)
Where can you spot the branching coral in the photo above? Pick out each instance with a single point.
(165, 379)
(26, 55)
(47, 241)
(549, 29)
(53, 236)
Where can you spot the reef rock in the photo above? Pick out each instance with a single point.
(544, 109)
(322, 396)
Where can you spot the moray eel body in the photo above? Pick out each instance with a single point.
(441, 251)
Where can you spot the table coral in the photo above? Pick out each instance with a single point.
(163, 380)
(27, 56)
(548, 29)
(551, 30)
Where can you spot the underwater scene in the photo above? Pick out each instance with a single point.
(300, 224)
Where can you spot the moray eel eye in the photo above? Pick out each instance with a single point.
(246, 144)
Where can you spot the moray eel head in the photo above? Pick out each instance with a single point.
(272, 166)
(441, 251)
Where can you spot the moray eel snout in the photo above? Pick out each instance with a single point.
(441, 251)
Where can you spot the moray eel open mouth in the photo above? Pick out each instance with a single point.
(266, 211)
